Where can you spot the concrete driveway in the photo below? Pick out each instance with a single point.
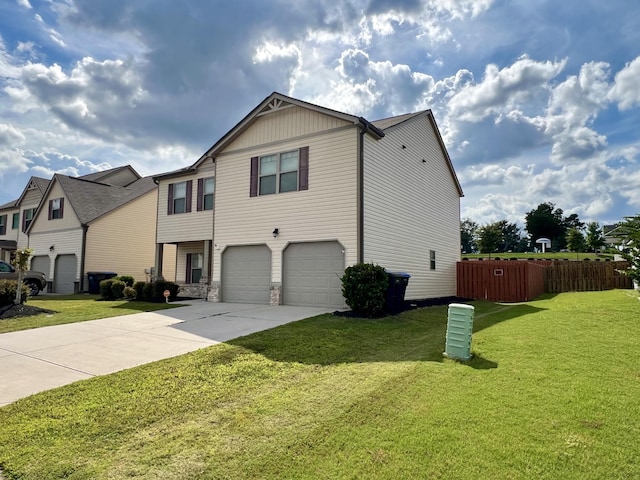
(35, 360)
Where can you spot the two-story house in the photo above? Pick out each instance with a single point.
(103, 221)
(299, 192)
(16, 216)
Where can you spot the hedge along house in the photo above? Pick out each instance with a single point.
(301, 192)
(104, 221)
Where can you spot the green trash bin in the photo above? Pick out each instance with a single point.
(459, 330)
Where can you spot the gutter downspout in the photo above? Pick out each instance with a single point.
(82, 255)
(360, 201)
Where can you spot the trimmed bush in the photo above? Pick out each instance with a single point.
(127, 279)
(147, 292)
(8, 292)
(139, 288)
(117, 289)
(364, 288)
(105, 289)
(129, 293)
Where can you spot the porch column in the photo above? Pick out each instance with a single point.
(157, 273)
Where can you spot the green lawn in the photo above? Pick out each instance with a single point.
(552, 393)
(76, 308)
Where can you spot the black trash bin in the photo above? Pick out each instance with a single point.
(96, 277)
(398, 282)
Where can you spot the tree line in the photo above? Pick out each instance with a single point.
(544, 221)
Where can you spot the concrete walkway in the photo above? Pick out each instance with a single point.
(35, 360)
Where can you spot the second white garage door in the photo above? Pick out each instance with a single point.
(246, 274)
(311, 274)
(64, 274)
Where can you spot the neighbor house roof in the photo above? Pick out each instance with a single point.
(385, 123)
(40, 183)
(100, 176)
(91, 200)
(8, 205)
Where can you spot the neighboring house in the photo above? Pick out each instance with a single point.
(16, 216)
(98, 222)
(301, 192)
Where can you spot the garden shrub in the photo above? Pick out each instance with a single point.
(160, 286)
(8, 292)
(147, 292)
(127, 279)
(117, 289)
(105, 289)
(139, 288)
(129, 293)
(364, 288)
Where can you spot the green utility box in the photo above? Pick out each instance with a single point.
(459, 329)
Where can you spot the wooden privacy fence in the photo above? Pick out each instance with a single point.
(520, 281)
(585, 276)
(500, 281)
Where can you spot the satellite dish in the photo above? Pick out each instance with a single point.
(545, 242)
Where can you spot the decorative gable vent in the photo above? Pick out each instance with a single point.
(275, 105)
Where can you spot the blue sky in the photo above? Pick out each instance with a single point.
(537, 101)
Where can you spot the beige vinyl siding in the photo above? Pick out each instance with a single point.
(69, 219)
(30, 200)
(123, 241)
(12, 233)
(185, 227)
(64, 242)
(121, 177)
(181, 258)
(411, 207)
(326, 211)
(287, 123)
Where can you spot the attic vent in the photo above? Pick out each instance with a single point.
(274, 105)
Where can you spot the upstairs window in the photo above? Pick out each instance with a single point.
(27, 218)
(280, 172)
(206, 189)
(179, 198)
(3, 224)
(15, 221)
(432, 259)
(56, 208)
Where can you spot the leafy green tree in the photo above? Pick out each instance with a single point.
(21, 262)
(510, 236)
(469, 236)
(547, 221)
(490, 237)
(575, 241)
(595, 238)
(629, 232)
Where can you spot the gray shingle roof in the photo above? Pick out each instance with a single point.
(385, 123)
(91, 200)
(41, 183)
(11, 204)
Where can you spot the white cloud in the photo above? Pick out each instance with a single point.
(626, 87)
(24, 3)
(502, 90)
(10, 136)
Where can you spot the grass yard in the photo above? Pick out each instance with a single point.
(553, 392)
(76, 308)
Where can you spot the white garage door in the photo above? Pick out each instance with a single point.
(311, 274)
(246, 274)
(40, 263)
(64, 274)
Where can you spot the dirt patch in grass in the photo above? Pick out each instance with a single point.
(15, 311)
